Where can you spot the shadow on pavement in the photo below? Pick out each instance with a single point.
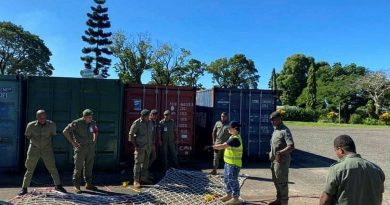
(303, 159)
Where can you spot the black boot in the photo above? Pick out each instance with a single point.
(60, 189)
(23, 191)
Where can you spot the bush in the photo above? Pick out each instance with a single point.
(356, 119)
(385, 117)
(332, 116)
(300, 114)
(370, 121)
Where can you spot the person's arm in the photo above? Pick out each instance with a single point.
(68, 133)
(221, 146)
(28, 132)
(232, 142)
(95, 133)
(325, 199)
(290, 144)
(132, 133)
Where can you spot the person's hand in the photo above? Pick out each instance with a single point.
(278, 157)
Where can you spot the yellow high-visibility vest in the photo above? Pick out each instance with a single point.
(233, 155)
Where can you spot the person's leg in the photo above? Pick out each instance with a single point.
(172, 154)
(50, 164)
(79, 158)
(274, 179)
(31, 162)
(138, 158)
(89, 162)
(145, 165)
(227, 187)
(282, 181)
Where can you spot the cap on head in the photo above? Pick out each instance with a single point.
(145, 112)
(274, 115)
(154, 112)
(87, 112)
(40, 112)
(234, 124)
(167, 112)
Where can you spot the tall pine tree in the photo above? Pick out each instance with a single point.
(272, 83)
(311, 88)
(98, 41)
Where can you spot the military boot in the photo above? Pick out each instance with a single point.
(276, 202)
(60, 188)
(77, 189)
(90, 186)
(22, 192)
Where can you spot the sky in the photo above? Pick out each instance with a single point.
(266, 31)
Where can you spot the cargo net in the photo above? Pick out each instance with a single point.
(177, 187)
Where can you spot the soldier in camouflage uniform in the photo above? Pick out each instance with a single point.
(168, 139)
(352, 180)
(282, 144)
(220, 135)
(141, 135)
(40, 133)
(82, 134)
(155, 140)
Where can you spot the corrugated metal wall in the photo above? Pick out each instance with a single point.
(10, 118)
(179, 100)
(64, 99)
(250, 107)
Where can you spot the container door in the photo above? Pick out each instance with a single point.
(9, 123)
(137, 98)
(181, 102)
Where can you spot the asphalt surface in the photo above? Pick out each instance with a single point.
(311, 159)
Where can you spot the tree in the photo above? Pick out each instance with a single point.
(272, 82)
(22, 52)
(311, 88)
(237, 72)
(165, 62)
(189, 74)
(292, 79)
(98, 41)
(376, 85)
(134, 57)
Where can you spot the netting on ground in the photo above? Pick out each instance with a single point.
(177, 187)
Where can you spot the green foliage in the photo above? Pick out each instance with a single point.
(385, 117)
(189, 74)
(236, 72)
(133, 55)
(370, 121)
(356, 119)
(311, 88)
(22, 52)
(292, 79)
(300, 114)
(165, 63)
(272, 82)
(362, 111)
(332, 116)
(98, 41)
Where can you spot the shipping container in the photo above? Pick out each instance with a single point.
(64, 99)
(10, 118)
(248, 106)
(179, 100)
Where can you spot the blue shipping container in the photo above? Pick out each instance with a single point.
(250, 107)
(10, 100)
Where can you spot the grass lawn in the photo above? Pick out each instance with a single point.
(322, 124)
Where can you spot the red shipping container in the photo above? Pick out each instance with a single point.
(179, 100)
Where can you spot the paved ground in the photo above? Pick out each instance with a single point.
(310, 163)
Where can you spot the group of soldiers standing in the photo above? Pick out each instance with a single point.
(81, 133)
(147, 135)
(352, 180)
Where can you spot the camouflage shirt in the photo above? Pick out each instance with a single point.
(40, 136)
